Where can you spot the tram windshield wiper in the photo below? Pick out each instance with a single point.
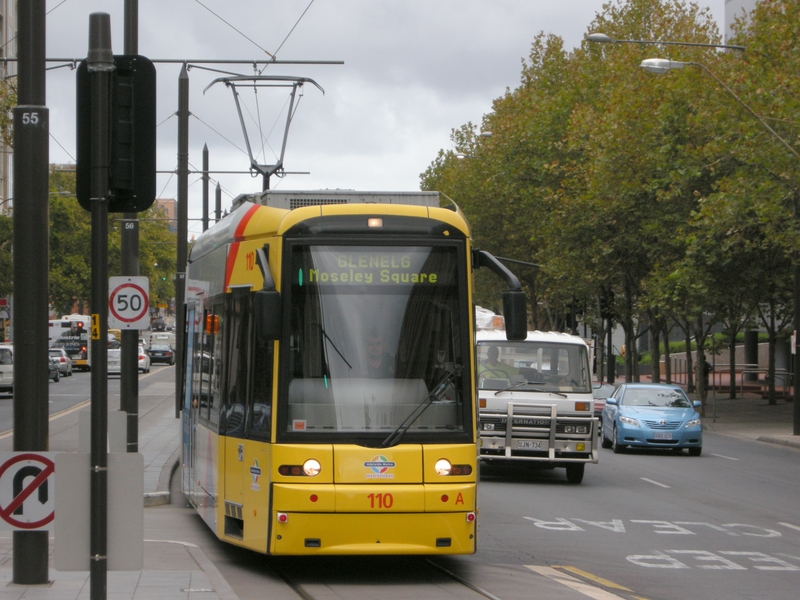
(438, 390)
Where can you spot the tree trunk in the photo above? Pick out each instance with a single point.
(655, 350)
(732, 351)
(667, 356)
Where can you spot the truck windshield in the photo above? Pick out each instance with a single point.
(372, 331)
(533, 366)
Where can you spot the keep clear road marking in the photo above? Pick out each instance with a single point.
(723, 456)
(576, 584)
(663, 485)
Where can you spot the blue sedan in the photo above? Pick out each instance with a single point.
(652, 415)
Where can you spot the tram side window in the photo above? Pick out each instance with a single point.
(212, 345)
(260, 409)
(237, 358)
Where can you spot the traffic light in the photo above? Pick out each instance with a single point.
(132, 176)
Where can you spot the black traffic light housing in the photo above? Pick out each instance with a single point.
(132, 173)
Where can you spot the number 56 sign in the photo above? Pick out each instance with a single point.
(128, 304)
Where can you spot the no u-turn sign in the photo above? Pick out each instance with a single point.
(27, 485)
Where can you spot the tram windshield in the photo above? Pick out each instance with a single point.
(373, 331)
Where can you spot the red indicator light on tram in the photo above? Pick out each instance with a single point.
(282, 517)
(445, 498)
(470, 517)
(313, 498)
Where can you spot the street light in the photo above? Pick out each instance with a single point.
(662, 65)
(602, 38)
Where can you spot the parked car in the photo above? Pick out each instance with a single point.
(652, 415)
(144, 361)
(63, 359)
(601, 391)
(6, 369)
(114, 361)
(161, 353)
(52, 366)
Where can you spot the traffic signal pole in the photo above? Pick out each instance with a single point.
(30, 193)
(100, 64)
(129, 359)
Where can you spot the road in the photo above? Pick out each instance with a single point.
(653, 525)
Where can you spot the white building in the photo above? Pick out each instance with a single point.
(736, 8)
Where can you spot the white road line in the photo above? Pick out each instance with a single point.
(663, 485)
(723, 456)
(573, 583)
(790, 526)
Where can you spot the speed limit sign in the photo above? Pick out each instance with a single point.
(128, 304)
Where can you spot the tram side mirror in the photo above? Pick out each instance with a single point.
(515, 314)
(267, 311)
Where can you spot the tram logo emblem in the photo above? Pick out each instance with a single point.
(255, 473)
(379, 465)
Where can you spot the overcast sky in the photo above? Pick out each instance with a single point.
(413, 70)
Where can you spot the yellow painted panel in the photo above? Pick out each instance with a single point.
(356, 464)
(297, 454)
(303, 498)
(454, 498)
(393, 533)
(457, 454)
(232, 473)
(255, 507)
(380, 498)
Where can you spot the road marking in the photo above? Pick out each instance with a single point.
(573, 583)
(723, 456)
(595, 578)
(663, 485)
(53, 417)
(790, 526)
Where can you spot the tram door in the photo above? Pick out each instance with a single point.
(233, 420)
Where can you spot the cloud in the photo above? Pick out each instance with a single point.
(413, 71)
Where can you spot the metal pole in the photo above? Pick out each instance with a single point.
(30, 193)
(183, 218)
(205, 187)
(100, 64)
(129, 359)
(218, 204)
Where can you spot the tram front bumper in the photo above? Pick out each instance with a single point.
(373, 519)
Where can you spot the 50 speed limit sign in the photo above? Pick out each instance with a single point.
(128, 303)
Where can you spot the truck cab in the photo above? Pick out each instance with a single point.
(535, 401)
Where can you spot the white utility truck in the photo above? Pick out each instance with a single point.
(535, 400)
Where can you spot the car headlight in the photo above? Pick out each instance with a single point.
(694, 423)
(629, 421)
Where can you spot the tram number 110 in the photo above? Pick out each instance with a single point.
(380, 501)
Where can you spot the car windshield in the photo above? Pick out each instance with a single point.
(663, 397)
(537, 366)
(55, 352)
(160, 348)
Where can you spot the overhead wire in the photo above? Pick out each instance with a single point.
(237, 30)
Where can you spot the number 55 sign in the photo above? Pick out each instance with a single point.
(128, 304)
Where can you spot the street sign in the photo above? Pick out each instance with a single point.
(27, 485)
(128, 302)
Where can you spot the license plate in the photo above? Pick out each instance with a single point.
(661, 435)
(113, 364)
(529, 445)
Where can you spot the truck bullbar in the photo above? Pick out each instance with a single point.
(537, 433)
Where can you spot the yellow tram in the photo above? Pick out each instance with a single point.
(329, 395)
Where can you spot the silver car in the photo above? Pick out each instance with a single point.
(63, 359)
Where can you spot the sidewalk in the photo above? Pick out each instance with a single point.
(173, 569)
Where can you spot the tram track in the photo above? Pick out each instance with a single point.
(429, 580)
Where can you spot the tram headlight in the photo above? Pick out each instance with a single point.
(443, 467)
(312, 467)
